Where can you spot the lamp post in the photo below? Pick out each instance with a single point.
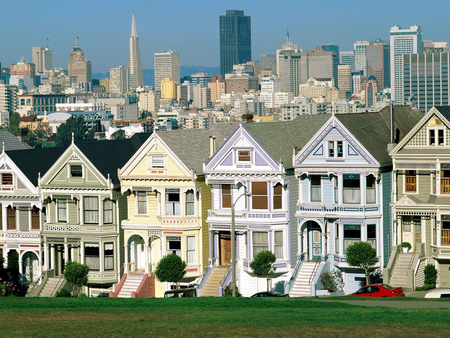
(233, 242)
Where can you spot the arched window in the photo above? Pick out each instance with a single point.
(11, 218)
(278, 196)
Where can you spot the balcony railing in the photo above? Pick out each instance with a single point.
(370, 195)
(244, 214)
(352, 195)
(316, 193)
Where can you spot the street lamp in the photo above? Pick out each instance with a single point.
(233, 241)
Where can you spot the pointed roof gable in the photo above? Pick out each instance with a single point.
(11, 142)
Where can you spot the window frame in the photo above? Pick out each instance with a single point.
(278, 197)
(257, 198)
(190, 251)
(106, 209)
(169, 192)
(156, 164)
(89, 211)
(189, 204)
(414, 178)
(319, 178)
(61, 204)
(11, 217)
(35, 214)
(141, 198)
(278, 246)
(76, 174)
(260, 245)
(245, 158)
(105, 256)
(93, 245)
(226, 198)
(7, 179)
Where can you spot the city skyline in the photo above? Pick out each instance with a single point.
(193, 29)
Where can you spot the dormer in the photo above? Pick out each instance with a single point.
(436, 133)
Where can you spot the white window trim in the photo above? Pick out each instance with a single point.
(417, 185)
(195, 250)
(163, 161)
(70, 171)
(137, 204)
(436, 136)
(250, 150)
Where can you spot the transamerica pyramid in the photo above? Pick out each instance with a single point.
(135, 75)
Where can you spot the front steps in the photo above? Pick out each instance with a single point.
(49, 288)
(403, 264)
(131, 284)
(211, 287)
(302, 287)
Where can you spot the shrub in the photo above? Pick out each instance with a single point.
(8, 288)
(332, 281)
(430, 274)
(171, 268)
(63, 293)
(103, 294)
(425, 287)
(406, 245)
(361, 254)
(262, 265)
(76, 274)
(228, 292)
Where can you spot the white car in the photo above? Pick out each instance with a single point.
(438, 293)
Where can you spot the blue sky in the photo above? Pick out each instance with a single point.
(192, 27)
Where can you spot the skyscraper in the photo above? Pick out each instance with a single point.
(118, 79)
(167, 65)
(378, 65)
(347, 58)
(403, 41)
(135, 74)
(235, 40)
(42, 58)
(360, 58)
(78, 66)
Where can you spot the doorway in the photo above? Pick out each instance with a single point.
(225, 248)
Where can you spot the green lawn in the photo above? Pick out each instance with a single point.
(213, 317)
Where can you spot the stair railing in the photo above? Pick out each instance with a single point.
(313, 274)
(288, 286)
(35, 284)
(206, 272)
(57, 286)
(224, 281)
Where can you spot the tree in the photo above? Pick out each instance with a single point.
(170, 269)
(430, 274)
(262, 265)
(14, 121)
(118, 135)
(73, 125)
(13, 266)
(361, 254)
(76, 274)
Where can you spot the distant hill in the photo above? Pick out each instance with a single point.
(149, 74)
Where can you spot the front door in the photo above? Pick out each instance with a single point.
(225, 248)
(316, 241)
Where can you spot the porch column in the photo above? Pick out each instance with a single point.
(45, 256)
(21, 267)
(399, 230)
(126, 259)
(300, 243)
(82, 251)
(101, 252)
(363, 232)
(146, 256)
(305, 242)
(340, 188)
(341, 239)
(66, 250)
(52, 256)
(211, 252)
(438, 233)
(324, 238)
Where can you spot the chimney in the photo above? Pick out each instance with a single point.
(212, 145)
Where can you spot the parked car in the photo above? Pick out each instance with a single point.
(181, 293)
(379, 290)
(439, 293)
(270, 294)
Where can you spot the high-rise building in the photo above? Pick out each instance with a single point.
(269, 86)
(403, 41)
(330, 48)
(347, 58)
(360, 58)
(201, 96)
(8, 102)
(106, 84)
(269, 62)
(235, 40)
(78, 66)
(167, 65)
(169, 88)
(26, 71)
(370, 90)
(345, 78)
(135, 74)
(42, 58)
(378, 63)
(287, 45)
(434, 91)
(118, 80)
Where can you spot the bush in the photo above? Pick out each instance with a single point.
(170, 268)
(332, 281)
(8, 288)
(76, 274)
(63, 293)
(228, 292)
(425, 287)
(406, 245)
(262, 265)
(103, 294)
(430, 274)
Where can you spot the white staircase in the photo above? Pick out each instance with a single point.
(301, 287)
(131, 284)
(403, 264)
(211, 287)
(49, 287)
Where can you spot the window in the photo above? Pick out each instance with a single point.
(340, 149)
(352, 234)
(189, 203)
(316, 191)
(76, 171)
(109, 256)
(330, 148)
(35, 219)
(174, 245)
(190, 250)
(441, 137)
(107, 211)
(158, 161)
(410, 181)
(370, 189)
(173, 207)
(372, 235)
(436, 137)
(260, 242)
(278, 196)
(278, 247)
(352, 191)
(226, 195)
(92, 255)
(336, 190)
(62, 210)
(259, 195)
(7, 179)
(432, 137)
(244, 155)
(11, 218)
(141, 198)
(90, 210)
(445, 178)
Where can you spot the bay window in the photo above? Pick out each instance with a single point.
(351, 187)
(259, 195)
(226, 195)
(190, 203)
(35, 219)
(316, 189)
(11, 218)
(260, 242)
(61, 206)
(173, 207)
(370, 189)
(109, 256)
(410, 181)
(92, 255)
(90, 210)
(352, 234)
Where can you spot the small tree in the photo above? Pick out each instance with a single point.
(14, 122)
(73, 125)
(118, 135)
(262, 265)
(170, 269)
(430, 274)
(76, 274)
(13, 266)
(361, 254)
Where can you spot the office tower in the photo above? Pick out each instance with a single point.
(403, 41)
(167, 65)
(435, 90)
(135, 74)
(201, 78)
(25, 71)
(201, 96)
(287, 45)
(330, 48)
(118, 80)
(42, 58)
(357, 81)
(269, 86)
(8, 102)
(148, 102)
(269, 62)
(169, 88)
(347, 58)
(371, 90)
(378, 63)
(106, 84)
(78, 66)
(360, 59)
(217, 86)
(235, 40)
(345, 78)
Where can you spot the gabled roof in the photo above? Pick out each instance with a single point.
(11, 142)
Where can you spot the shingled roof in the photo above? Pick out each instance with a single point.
(11, 142)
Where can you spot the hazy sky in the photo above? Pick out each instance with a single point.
(191, 27)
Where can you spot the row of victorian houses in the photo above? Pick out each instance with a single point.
(317, 184)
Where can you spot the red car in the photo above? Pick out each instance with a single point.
(379, 290)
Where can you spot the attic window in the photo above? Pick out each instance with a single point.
(76, 171)
(158, 162)
(7, 179)
(436, 137)
(244, 155)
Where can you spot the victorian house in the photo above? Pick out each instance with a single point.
(345, 189)
(421, 163)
